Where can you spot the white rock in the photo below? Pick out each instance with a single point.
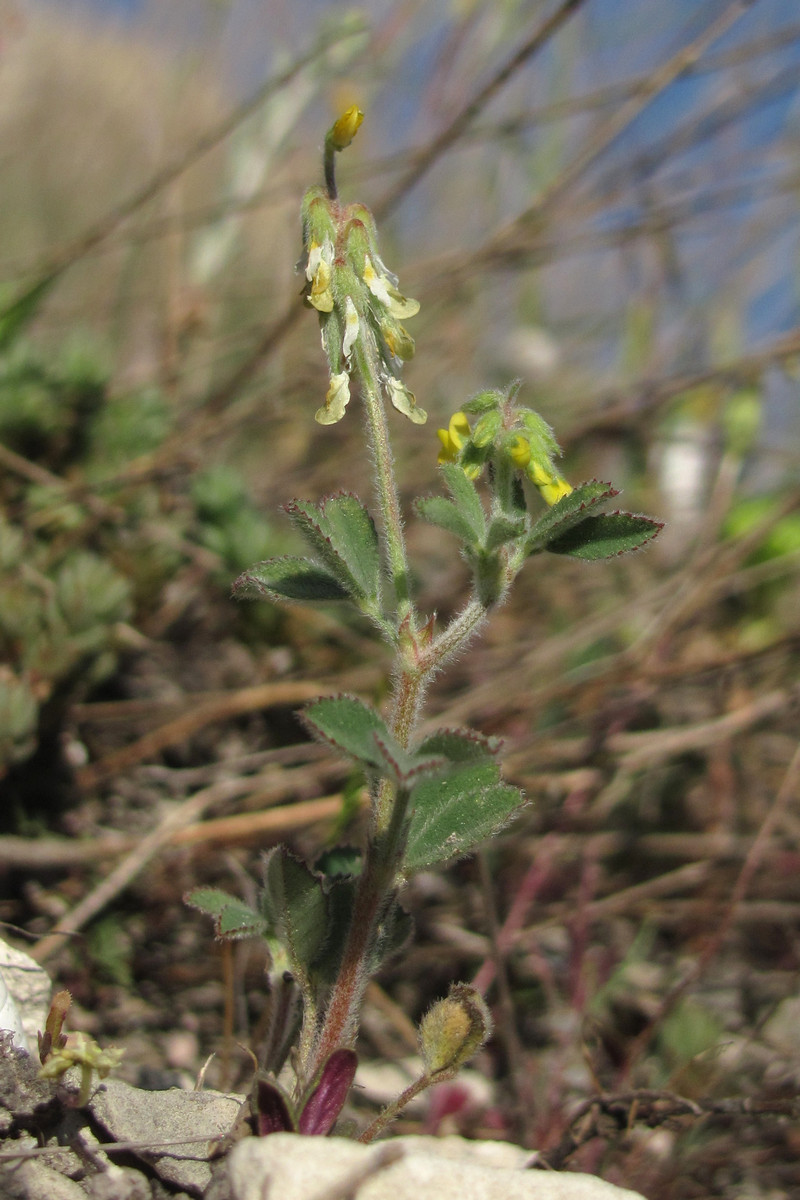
(24, 996)
(287, 1165)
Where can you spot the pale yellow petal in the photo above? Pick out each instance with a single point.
(336, 400)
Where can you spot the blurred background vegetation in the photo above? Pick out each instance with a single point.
(597, 197)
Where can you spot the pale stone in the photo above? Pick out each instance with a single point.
(27, 996)
(407, 1168)
(172, 1129)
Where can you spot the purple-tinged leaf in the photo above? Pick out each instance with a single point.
(327, 1099)
(271, 1110)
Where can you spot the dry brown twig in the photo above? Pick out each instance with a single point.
(613, 1115)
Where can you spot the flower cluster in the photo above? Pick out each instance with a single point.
(357, 297)
(504, 429)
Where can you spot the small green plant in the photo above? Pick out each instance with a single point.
(433, 798)
(85, 548)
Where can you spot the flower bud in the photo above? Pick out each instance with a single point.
(489, 401)
(345, 129)
(454, 1030)
(486, 429)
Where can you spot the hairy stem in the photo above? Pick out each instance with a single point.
(385, 484)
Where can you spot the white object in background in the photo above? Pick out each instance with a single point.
(24, 996)
(10, 1018)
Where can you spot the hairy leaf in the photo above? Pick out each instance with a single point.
(327, 1099)
(454, 813)
(567, 512)
(460, 745)
(466, 497)
(232, 918)
(445, 514)
(349, 725)
(295, 905)
(290, 578)
(343, 534)
(606, 536)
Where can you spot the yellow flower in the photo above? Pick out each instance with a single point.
(552, 487)
(453, 438)
(520, 451)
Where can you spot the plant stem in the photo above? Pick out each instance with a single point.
(391, 1110)
(385, 484)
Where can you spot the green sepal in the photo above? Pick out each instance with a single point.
(566, 513)
(295, 906)
(289, 578)
(606, 536)
(232, 918)
(466, 498)
(454, 813)
(343, 534)
(444, 513)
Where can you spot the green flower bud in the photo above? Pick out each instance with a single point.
(540, 435)
(490, 401)
(454, 1030)
(486, 429)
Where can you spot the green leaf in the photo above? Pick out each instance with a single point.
(394, 931)
(340, 862)
(295, 905)
(453, 814)
(289, 578)
(341, 898)
(232, 918)
(606, 536)
(460, 745)
(466, 497)
(343, 534)
(444, 513)
(349, 725)
(567, 512)
(503, 529)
